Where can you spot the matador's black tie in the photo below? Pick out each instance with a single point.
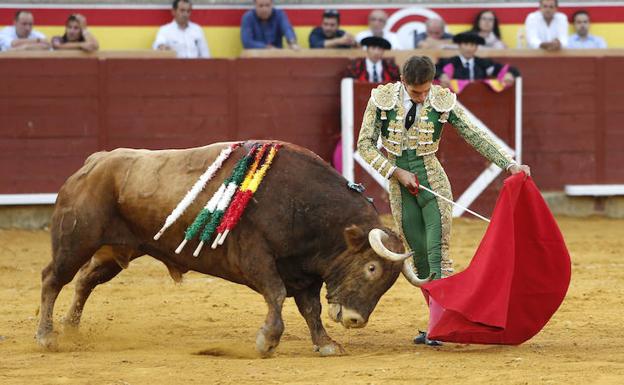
(411, 116)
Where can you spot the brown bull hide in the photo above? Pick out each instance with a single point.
(303, 228)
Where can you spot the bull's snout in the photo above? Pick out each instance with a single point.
(349, 318)
(352, 319)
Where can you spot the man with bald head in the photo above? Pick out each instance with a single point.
(434, 37)
(376, 23)
(22, 36)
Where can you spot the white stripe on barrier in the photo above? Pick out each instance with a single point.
(27, 199)
(346, 123)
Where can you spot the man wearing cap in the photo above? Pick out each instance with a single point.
(329, 34)
(374, 68)
(408, 117)
(467, 66)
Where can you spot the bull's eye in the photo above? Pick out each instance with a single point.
(372, 270)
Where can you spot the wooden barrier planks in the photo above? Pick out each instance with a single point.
(54, 112)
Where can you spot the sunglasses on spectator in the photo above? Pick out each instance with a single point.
(331, 13)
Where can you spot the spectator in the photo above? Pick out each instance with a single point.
(265, 26)
(546, 28)
(434, 37)
(76, 35)
(22, 36)
(329, 34)
(184, 37)
(486, 26)
(582, 38)
(376, 23)
(374, 68)
(467, 66)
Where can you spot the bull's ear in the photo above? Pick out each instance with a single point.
(354, 236)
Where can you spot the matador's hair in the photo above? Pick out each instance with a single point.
(418, 70)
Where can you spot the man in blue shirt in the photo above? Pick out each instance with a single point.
(265, 26)
(329, 34)
(582, 38)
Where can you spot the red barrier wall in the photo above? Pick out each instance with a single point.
(55, 112)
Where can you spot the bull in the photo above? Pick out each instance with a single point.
(303, 228)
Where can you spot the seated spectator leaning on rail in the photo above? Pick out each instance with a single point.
(376, 23)
(265, 26)
(329, 34)
(434, 36)
(183, 36)
(374, 68)
(582, 38)
(486, 26)
(546, 28)
(76, 35)
(22, 36)
(467, 66)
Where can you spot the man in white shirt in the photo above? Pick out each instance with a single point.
(182, 35)
(546, 28)
(376, 23)
(22, 36)
(582, 39)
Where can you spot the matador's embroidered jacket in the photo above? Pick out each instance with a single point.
(384, 117)
(385, 114)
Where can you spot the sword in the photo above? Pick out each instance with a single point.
(453, 203)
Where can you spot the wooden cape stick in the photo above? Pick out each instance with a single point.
(453, 203)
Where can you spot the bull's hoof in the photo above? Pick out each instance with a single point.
(263, 346)
(70, 324)
(47, 341)
(332, 349)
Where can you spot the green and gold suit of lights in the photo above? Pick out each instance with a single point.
(424, 221)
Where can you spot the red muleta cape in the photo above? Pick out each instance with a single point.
(516, 281)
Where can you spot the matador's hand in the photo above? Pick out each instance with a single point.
(407, 179)
(516, 168)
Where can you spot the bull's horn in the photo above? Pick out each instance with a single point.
(376, 238)
(410, 274)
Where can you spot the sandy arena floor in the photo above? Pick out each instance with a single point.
(141, 328)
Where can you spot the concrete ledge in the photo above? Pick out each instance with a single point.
(594, 189)
(25, 217)
(583, 206)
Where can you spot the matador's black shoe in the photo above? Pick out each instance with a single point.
(421, 339)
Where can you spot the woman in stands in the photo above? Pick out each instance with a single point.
(486, 25)
(76, 35)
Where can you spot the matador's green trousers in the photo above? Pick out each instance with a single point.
(421, 219)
